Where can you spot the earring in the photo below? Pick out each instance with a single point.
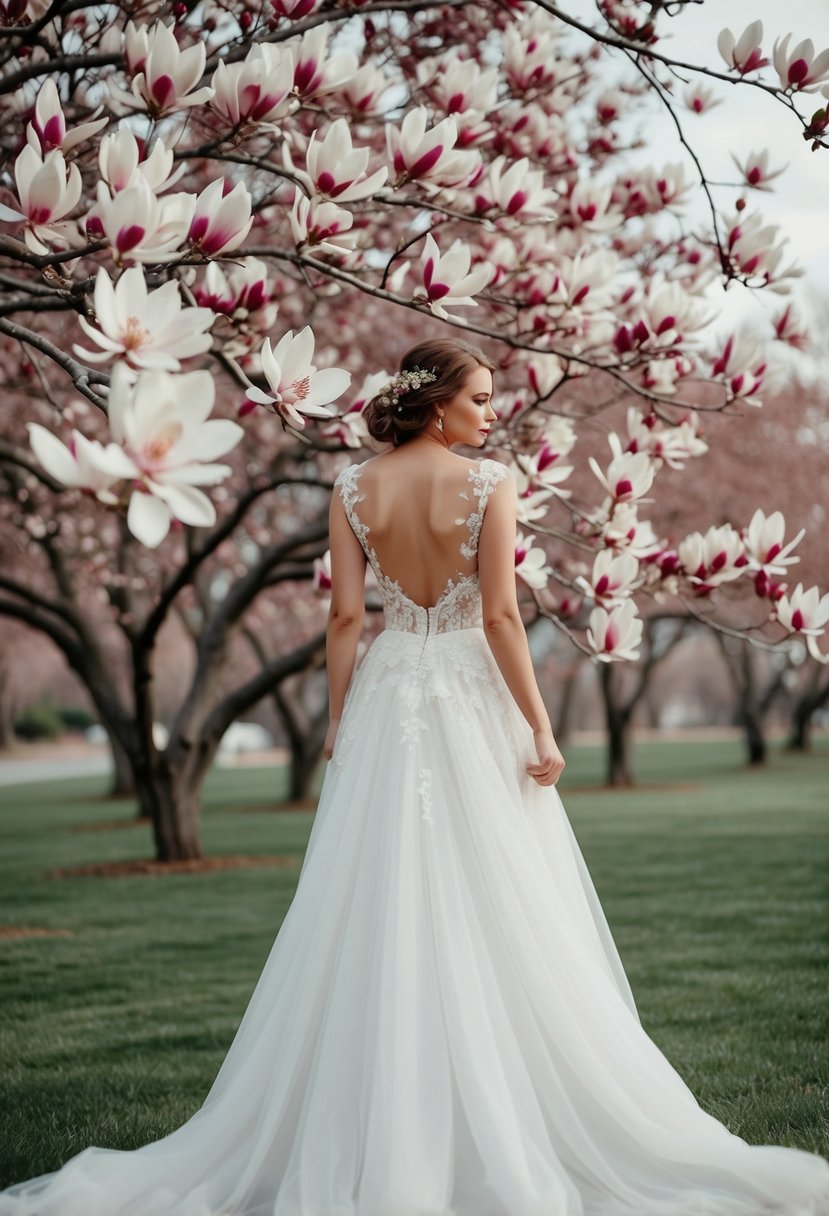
(440, 424)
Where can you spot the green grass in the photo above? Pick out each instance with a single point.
(715, 883)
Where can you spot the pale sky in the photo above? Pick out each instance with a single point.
(747, 121)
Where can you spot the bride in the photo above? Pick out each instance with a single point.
(443, 1026)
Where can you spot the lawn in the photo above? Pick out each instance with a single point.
(715, 881)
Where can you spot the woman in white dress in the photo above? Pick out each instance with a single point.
(443, 1026)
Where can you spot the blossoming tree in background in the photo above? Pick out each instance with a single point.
(211, 218)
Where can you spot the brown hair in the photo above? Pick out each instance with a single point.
(451, 361)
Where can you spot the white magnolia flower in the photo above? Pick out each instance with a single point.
(83, 464)
(741, 366)
(427, 155)
(764, 545)
(168, 72)
(613, 577)
(447, 279)
(531, 562)
(220, 221)
(47, 190)
(254, 91)
(147, 329)
(139, 226)
(162, 424)
(316, 72)
(591, 206)
(800, 70)
(716, 557)
(622, 529)
(297, 388)
(755, 169)
(335, 169)
(805, 612)
(744, 54)
(629, 475)
(699, 98)
(615, 634)
(48, 126)
(516, 191)
(321, 225)
(119, 162)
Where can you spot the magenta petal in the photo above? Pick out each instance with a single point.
(129, 237)
(426, 162)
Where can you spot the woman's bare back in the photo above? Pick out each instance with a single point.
(417, 511)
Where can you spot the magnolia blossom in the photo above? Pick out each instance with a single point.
(613, 577)
(671, 444)
(714, 558)
(517, 191)
(699, 98)
(586, 281)
(47, 130)
(254, 91)
(763, 541)
(162, 439)
(297, 388)
(322, 225)
(744, 54)
(148, 329)
(364, 90)
(335, 169)
(139, 226)
(753, 251)
(622, 529)
(805, 612)
(119, 161)
(420, 155)
(530, 562)
(541, 468)
(167, 73)
(447, 279)
(243, 294)
(350, 427)
(615, 634)
(755, 170)
(531, 53)
(629, 475)
(544, 373)
(322, 582)
(221, 221)
(83, 464)
(48, 190)
(742, 366)
(789, 328)
(592, 207)
(800, 70)
(462, 88)
(316, 72)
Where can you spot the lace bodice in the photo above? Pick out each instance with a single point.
(459, 604)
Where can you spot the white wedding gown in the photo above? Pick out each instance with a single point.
(443, 1026)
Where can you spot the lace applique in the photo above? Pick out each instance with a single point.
(486, 474)
(425, 792)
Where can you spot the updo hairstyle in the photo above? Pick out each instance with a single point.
(397, 420)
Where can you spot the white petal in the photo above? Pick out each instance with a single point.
(148, 518)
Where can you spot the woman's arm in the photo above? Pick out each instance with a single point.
(346, 613)
(504, 627)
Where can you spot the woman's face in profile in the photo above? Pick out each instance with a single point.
(469, 414)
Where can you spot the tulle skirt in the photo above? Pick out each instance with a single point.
(443, 1026)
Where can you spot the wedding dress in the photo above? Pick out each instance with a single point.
(443, 1026)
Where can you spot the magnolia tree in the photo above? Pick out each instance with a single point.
(213, 214)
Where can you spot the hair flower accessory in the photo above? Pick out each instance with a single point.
(406, 382)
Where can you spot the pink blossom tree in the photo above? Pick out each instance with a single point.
(209, 215)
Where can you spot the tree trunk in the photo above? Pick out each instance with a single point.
(812, 699)
(123, 775)
(619, 771)
(173, 805)
(564, 718)
(305, 754)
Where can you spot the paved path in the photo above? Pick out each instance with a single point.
(18, 772)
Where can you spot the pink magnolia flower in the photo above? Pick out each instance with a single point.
(789, 328)
(755, 170)
(364, 89)
(147, 329)
(47, 191)
(316, 72)
(119, 161)
(764, 547)
(542, 468)
(418, 154)
(47, 130)
(592, 207)
(168, 74)
(221, 219)
(671, 444)
(242, 293)
(615, 634)
(322, 582)
(517, 191)
(254, 91)
(744, 54)
(295, 10)
(335, 169)
(531, 54)
(623, 529)
(530, 562)
(800, 70)
(716, 557)
(460, 87)
(448, 281)
(297, 388)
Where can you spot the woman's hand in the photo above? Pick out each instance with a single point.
(550, 763)
(328, 745)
